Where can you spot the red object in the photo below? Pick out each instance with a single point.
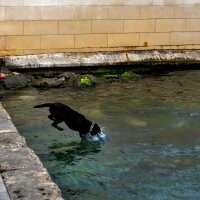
(2, 76)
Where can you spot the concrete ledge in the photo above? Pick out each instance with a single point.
(22, 172)
(102, 59)
(3, 192)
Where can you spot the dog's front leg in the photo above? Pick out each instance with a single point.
(55, 123)
(51, 117)
(81, 135)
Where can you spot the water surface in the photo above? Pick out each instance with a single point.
(153, 146)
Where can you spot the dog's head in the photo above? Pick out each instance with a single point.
(95, 130)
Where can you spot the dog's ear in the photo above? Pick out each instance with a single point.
(96, 129)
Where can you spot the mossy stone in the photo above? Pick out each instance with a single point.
(128, 75)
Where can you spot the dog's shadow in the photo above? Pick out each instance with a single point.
(74, 151)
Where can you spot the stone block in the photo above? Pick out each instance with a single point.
(123, 12)
(90, 40)
(168, 25)
(2, 42)
(107, 26)
(57, 13)
(184, 38)
(90, 12)
(23, 13)
(11, 3)
(11, 28)
(137, 26)
(152, 39)
(2, 13)
(75, 27)
(132, 3)
(108, 2)
(146, 2)
(187, 11)
(22, 42)
(57, 41)
(149, 12)
(117, 40)
(75, 2)
(192, 25)
(41, 2)
(131, 12)
(40, 27)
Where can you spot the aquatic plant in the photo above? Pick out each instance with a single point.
(128, 75)
(86, 82)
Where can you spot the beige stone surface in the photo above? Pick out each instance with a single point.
(185, 11)
(91, 40)
(137, 26)
(40, 27)
(169, 25)
(148, 12)
(57, 13)
(23, 13)
(75, 27)
(183, 38)
(118, 40)
(107, 26)
(11, 28)
(2, 13)
(11, 3)
(153, 39)
(2, 42)
(22, 42)
(57, 41)
(90, 12)
(123, 12)
(192, 25)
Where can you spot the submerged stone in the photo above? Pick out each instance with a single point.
(15, 80)
(49, 83)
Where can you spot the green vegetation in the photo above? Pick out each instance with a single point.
(86, 82)
(128, 75)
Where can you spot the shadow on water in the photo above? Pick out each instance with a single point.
(73, 151)
(68, 155)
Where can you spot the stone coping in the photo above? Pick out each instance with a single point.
(21, 170)
(102, 59)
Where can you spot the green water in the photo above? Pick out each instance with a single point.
(153, 146)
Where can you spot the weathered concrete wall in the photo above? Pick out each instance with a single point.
(22, 172)
(42, 26)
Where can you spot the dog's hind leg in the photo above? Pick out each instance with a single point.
(55, 123)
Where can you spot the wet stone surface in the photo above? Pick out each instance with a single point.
(22, 172)
(101, 58)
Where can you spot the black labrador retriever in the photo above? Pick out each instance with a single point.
(62, 113)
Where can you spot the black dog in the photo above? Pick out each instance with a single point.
(74, 120)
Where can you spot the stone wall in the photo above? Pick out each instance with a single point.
(42, 26)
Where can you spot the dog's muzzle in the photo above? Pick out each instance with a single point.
(98, 137)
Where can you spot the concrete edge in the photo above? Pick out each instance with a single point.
(101, 59)
(23, 175)
(3, 192)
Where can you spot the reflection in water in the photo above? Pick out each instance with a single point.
(154, 135)
(74, 150)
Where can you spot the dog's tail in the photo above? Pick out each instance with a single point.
(43, 105)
